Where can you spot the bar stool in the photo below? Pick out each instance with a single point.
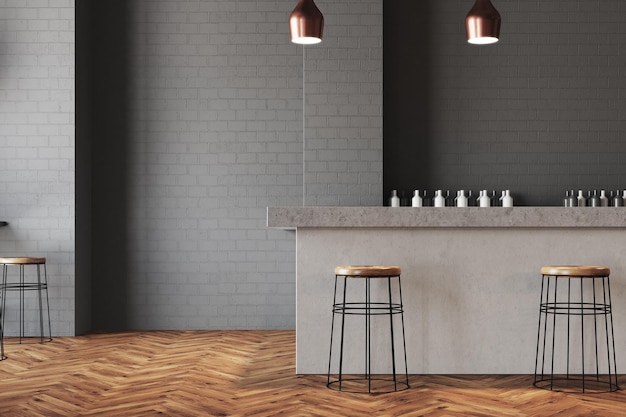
(583, 303)
(41, 286)
(370, 306)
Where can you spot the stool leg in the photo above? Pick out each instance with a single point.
(2, 310)
(582, 332)
(406, 366)
(393, 349)
(595, 326)
(338, 308)
(569, 309)
(40, 304)
(22, 313)
(332, 331)
(608, 352)
(556, 283)
(45, 277)
(343, 322)
(541, 302)
(368, 312)
(43, 286)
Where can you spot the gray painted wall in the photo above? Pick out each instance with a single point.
(216, 137)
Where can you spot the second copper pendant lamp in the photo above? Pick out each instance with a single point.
(482, 23)
(306, 23)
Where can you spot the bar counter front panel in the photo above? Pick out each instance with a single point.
(470, 278)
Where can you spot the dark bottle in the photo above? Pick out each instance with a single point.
(495, 200)
(594, 200)
(426, 202)
(449, 199)
(471, 199)
(573, 201)
(405, 201)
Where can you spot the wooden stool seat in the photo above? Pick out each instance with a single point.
(576, 271)
(22, 261)
(370, 271)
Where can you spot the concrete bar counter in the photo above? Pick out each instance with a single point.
(470, 276)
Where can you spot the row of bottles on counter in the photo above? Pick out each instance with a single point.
(594, 199)
(463, 199)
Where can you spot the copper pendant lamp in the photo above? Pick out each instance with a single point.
(306, 23)
(482, 23)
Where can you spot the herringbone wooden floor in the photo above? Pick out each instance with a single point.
(243, 373)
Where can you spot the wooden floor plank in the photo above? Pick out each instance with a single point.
(245, 373)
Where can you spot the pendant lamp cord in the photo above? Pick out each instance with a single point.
(303, 128)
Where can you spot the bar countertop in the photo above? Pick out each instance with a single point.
(446, 217)
(471, 276)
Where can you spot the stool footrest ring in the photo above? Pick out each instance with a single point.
(358, 384)
(373, 309)
(576, 309)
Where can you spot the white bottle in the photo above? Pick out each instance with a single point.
(395, 201)
(507, 199)
(416, 201)
(604, 201)
(582, 201)
(461, 199)
(440, 201)
(485, 201)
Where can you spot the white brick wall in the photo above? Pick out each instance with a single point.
(37, 184)
(218, 138)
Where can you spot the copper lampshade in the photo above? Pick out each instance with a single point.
(482, 23)
(306, 23)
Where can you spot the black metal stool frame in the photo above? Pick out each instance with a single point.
(2, 295)
(367, 309)
(571, 308)
(22, 286)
